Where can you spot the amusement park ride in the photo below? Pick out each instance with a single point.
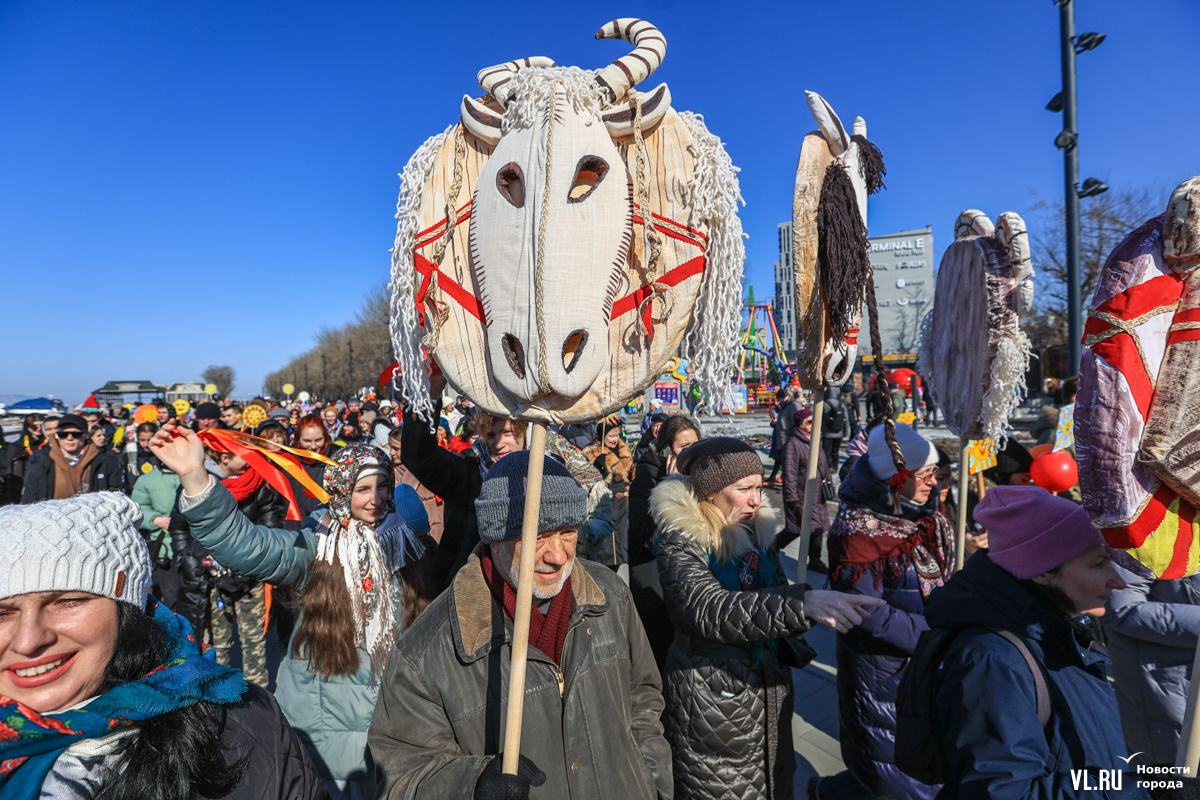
(762, 365)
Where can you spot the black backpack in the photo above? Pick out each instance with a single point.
(835, 418)
(919, 752)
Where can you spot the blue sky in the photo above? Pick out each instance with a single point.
(211, 182)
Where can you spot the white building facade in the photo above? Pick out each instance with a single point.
(903, 266)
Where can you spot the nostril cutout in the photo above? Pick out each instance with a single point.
(514, 353)
(573, 349)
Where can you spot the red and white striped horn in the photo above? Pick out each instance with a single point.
(649, 49)
(495, 79)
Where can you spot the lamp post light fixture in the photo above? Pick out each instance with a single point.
(1068, 141)
(1092, 187)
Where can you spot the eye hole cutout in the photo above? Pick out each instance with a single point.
(510, 182)
(573, 349)
(515, 354)
(588, 174)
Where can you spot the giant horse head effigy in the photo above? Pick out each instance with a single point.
(524, 264)
(830, 260)
(1139, 392)
(974, 355)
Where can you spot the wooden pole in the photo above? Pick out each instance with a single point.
(810, 488)
(1188, 755)
(520, 644)
(960, 539)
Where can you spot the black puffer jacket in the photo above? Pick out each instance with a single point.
(649, 470)
(277, 767)
(729, 693)
(14, 459)
(644, 581)
(265, 507)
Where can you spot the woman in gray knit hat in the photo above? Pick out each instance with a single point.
(738, 624)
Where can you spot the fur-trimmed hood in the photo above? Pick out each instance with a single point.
(675, 508)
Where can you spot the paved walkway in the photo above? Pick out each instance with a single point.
(815, 722)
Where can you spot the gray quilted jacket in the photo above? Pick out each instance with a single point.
(1152, 628)
(729, 716)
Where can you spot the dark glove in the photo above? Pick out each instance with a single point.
(601, 464)
(495, 785)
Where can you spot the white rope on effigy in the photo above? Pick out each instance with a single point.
(404, 322)
(714, 193)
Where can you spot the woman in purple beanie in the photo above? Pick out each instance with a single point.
(1046, 575)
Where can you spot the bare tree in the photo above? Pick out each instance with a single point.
(372, 353)
(1104, 221)
(223, 377)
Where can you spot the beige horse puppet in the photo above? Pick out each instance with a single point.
(524, 264)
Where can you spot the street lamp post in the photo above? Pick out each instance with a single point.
(1068, 141)
(350, 343)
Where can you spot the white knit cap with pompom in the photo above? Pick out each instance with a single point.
(90, 543)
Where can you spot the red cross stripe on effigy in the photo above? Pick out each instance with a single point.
(621, 306)
(1111, 333)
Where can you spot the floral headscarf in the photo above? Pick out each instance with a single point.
(370, 553)
(349, 464)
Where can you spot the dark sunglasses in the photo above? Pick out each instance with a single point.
(71, 434)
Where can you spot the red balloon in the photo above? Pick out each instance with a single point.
(1040, 450)
(1055, 472)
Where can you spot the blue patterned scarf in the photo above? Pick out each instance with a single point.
(30, 742)
(753, 571)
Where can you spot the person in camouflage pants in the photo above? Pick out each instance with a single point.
(248, 614)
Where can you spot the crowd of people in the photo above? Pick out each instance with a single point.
(139, 565)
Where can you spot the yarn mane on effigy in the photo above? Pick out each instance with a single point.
(532, 278)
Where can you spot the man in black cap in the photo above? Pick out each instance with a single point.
(208, 415)
(71, 465)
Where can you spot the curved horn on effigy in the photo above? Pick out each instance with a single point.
(628, 71)
(830, 125)
(493, 80)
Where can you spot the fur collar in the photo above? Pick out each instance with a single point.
(675, 508)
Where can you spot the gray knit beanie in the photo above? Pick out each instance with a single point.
(90, 543)
(501, 504)
(713, 464)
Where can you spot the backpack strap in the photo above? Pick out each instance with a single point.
(1041, 689)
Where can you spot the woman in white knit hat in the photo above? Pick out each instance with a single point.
(889, 541)
(106, 693)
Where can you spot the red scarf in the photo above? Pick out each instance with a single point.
(547, 632)
(243, 485)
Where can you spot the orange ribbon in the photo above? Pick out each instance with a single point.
(260, 455)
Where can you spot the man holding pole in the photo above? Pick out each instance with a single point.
(593, 695)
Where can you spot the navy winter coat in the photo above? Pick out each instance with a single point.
(985, 706)
(1152, 629)
(872, 657)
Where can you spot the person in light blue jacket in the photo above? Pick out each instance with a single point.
(362, 574)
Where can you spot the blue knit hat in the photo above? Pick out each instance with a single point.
(501, 504)
(412, 509)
